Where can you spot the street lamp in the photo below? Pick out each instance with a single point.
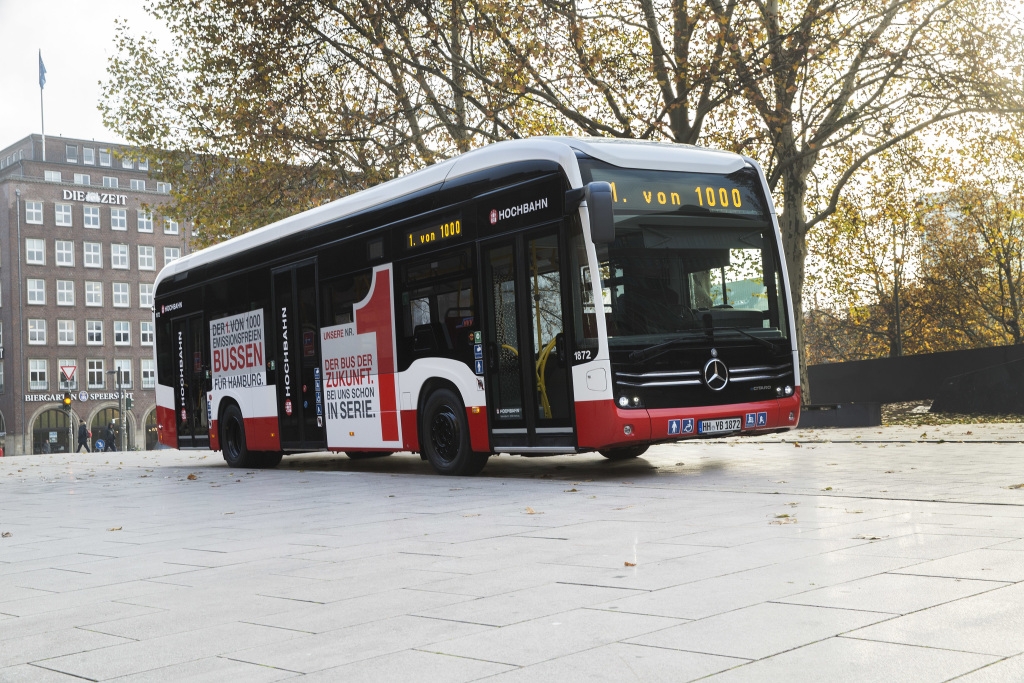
(120, 406)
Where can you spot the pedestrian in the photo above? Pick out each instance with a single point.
(46, 445)
(83, 438)
(109, 438)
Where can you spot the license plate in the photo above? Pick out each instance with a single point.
(731, 424)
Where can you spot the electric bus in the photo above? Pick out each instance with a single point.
(536, 297)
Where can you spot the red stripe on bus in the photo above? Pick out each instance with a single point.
(167, 426)
(479, 439)
(376, 316)
(410, 432)
(262, 434)
(601, 424)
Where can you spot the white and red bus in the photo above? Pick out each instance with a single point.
(539, 296)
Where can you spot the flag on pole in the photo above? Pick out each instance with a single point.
(42, 71)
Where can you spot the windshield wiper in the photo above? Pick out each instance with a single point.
(709, 329)
(651, 351)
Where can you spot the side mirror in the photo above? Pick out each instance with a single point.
(598, 196)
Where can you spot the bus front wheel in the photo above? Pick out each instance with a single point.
(232, 439)
(444, 436)
(625, 452)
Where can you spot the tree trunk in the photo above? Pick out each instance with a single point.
(793, 224)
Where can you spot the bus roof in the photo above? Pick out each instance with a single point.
(562, 150)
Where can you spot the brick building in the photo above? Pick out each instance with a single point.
(81, 242)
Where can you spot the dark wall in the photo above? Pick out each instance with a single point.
(977, 381)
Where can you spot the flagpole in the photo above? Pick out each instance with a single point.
(42, 82)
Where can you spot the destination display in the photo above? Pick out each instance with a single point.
(643, 191)
(446, 229)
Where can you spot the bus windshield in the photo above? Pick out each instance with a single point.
(694, 256)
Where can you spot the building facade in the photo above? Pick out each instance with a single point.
(81, 242)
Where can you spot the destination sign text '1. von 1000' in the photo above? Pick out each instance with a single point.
(447, 228)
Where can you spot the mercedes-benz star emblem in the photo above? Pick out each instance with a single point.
(716, 375)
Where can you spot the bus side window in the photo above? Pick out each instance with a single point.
(340, 293)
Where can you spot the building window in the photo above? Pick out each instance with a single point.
(91, 216)
(145, 295)
(124, 369)
(170, 227)
(65, 292)
(64, 252)
(35, 252)
(82, 179)
(145, 221)
(93, 293)
(92, 254)
(37, 374)
(126, 162)
(63, 213)
(33, 212)
(66, 332)
(171, 254)
(120, 294)
(147, 368)
(96, 374)
(147, 259)
(71, 154)
(52, 176)
(138, 184)
(119, 256)
(67, 366)
(122, 333)
(104, 157)
(146, 333)
(88, 155)
(143, 164)
(36, 291)
(110, 182)
(36, 331)
(94, 332)
(118, 219)
(163, 188)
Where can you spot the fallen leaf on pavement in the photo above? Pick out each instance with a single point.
(629, 564)
(570, 491)
(114, 528)
(827, 488)
(192, 477)
(531, 511)
(869, 537)
(796, 444)
(1017, 486)
(6, 534)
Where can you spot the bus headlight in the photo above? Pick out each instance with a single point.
(623, 401)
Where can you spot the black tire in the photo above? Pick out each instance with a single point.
(232, 439)
(364, 455)
(444, 436)
(625, 453)
(268, 461)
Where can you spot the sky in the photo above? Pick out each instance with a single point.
(76, 38)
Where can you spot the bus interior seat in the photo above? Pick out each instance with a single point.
(431, 338)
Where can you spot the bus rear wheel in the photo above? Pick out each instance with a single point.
(624, 453)
(232, 440)
(444, 436)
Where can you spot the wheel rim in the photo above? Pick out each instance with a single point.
(444, 434)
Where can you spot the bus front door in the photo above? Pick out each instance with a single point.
(300, 408)
(528, 376)
(190, 404)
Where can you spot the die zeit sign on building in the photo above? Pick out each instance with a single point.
(96, 197)
(350, 386)
(237, 348)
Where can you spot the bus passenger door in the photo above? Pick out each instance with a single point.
(528, 373)
(190, 405)
(300, 407)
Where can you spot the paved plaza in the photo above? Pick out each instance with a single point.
(881, 554)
